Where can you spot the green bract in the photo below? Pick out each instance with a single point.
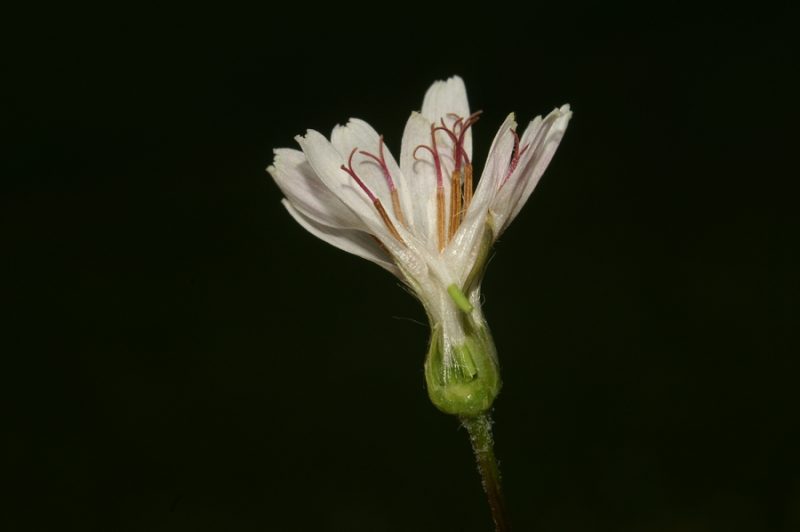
(469, 383)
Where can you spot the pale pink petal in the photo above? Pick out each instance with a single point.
(327, 163)
(352, 241)
(496, 168)
(445, 100)
(307, 193)
(360, 136)
(542, 138)
(419, 177)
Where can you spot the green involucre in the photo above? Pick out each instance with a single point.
(469, 382)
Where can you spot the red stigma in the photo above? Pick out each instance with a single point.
(457, 133)
(435, 153)
(349, 170)
(515, 156)
(380, 159)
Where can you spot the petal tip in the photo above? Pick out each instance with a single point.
(416, 116)
(455, 79)
(563, 113)
(311, 135)
(444, 97)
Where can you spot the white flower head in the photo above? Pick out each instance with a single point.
(422, 219)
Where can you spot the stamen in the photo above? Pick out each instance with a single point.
(456, 149)
(375, 200)
(440, 216)
(471, 119)
(439, 191)
(455, 203)
(457, 134)
(349, 170)
(439, 186)
(461, 177)
(467, 187)
(381, 160)
(455, 181)
(386, 220)
(397, 209)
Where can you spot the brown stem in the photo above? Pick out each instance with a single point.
(480, 435)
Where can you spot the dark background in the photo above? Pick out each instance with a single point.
(182, 356)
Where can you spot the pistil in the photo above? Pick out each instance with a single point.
(380, 159)
(515, 157)
(461, 177)
(375, 200)
(440, 224)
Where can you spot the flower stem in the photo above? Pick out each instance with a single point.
(480, 435)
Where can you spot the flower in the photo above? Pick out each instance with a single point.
(422, 220)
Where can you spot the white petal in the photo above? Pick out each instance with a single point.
(445, 99)
(543, 138)
(496, 166)
(307, 193)
(327, 163)
(359, 135)
(353, 241)
(419, 177)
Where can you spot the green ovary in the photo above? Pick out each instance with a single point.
(468, 384)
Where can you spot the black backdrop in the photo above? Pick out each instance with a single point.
(180, 355)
